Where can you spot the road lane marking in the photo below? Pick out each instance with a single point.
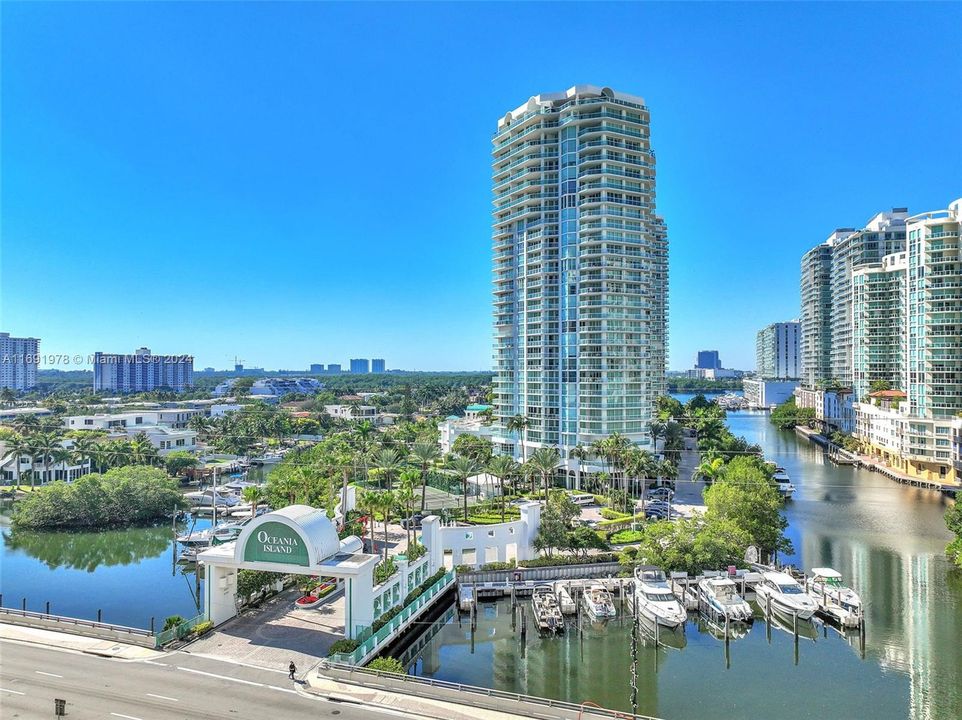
(162, 697)
(154, 662)
(41, 672)
(15, 692)
(287, 690)
(127, 717)
(221, 677)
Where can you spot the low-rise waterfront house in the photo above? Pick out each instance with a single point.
(471, 424)
(354, 412)
(761, 393)
(22, 466)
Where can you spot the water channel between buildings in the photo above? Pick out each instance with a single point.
(887, 538)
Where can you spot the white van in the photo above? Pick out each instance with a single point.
(583, 499)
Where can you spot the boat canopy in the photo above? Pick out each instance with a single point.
(827, 573)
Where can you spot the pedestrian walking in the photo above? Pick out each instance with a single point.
(292, 668)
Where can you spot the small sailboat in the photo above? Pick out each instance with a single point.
(785, 596)
(598, 602)
(565, 602)
(655, 600)
(718, 597)
(835, 600)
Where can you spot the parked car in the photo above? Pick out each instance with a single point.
(661, 493)
(413, 522)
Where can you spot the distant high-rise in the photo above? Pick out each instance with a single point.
(826, 289)
(334, 368)
(377, 365)
(360, 365)
(142, 372)
(580, 270)
(776, 351)
(707, 360)
(316, 368)
(18, 362)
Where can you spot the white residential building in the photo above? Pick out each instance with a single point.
(162, 436)
(761, 393)
(777, 351)
(22, 467)
(580, 270)
(354, 412)
(18, 362)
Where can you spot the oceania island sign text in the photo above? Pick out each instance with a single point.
(277, 543)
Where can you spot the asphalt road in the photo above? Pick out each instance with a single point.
(176, 686)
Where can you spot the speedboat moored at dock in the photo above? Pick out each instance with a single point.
(835, 599)
(597, 601)
(655, 600)
(786, 595)
(719, 596)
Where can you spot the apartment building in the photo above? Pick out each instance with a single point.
(580, 270)
(777, 352)
(142, 372)
(18, 362)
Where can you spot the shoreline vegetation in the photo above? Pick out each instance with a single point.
(132, 495)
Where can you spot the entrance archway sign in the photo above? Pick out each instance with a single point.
(274, 542)
(296, 540)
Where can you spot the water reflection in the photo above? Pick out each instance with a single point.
(887, 539)
(89, 550)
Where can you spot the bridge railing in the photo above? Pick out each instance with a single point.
(12, 613)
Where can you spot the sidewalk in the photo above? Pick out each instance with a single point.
(78, 643)
(410, 705)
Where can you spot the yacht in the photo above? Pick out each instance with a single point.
(212, 536)
(787, 596)
(565, 602)
(720, 597)
(835, 599)
(207, 498)
(598, 601)
(655, 599)
(546, 610)
(783, 483)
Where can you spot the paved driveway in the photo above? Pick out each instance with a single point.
(275, 633)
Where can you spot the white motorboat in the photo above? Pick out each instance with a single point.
(565, 602)
(835, 599)
(783, 483)
(212, 536)
(598, 601)
(210, 497)
(546, 610)
(787, 596)
(655, 600)
(719, 596)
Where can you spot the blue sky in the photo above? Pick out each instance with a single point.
(297, 183)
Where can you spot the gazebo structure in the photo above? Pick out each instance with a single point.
(298, 540)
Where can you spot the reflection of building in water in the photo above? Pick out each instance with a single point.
(910, 628)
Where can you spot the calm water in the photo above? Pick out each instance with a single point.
(888, 539)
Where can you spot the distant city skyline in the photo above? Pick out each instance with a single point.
(173, 165)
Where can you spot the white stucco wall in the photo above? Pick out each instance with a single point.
(488, 542)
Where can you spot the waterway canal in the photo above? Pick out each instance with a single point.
(887, 538)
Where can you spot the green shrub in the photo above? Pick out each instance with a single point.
(415, 551)
(252, 581)
(510, 565)
(546, 561)
(202, 627)
(386, 618)
(464, 568)
(609, 514)
(387, 664)
(626, 536)
(343, 647)
(384, 570)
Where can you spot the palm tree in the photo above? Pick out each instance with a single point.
(464, 468)
(405, 498)
(709, 469)
(142, 451)
(544, 462)
(26, 424)
(252, 495)
(520, 424)
(425, 454)
(368, 501)
(61, 456)
(42, 446)
(83, 450)
(7, 396)
(656, 429)
(17, 447)
(639, 464)
(362, 434)
(385, 503)
(579, 453)
(389, 463)
(502, 467)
